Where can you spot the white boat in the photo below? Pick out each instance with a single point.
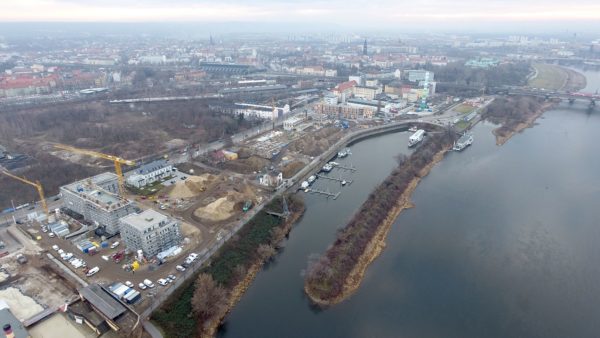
(343, 153)
(327, 168)
(413, 129)
(312, 179)
(463, 142)
(333, 164)
(416, 137)
(304, 185)
(344, 182)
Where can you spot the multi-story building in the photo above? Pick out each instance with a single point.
(150, 231)
(150, 173)
(97, 200)
(419, 75)
(260, 111)
(344, 90)
(365, 92)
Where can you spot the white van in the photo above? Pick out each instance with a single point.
(93, 271)
(114, 245)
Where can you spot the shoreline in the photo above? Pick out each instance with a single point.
(528, 123)
(377, 243)
(238, 291)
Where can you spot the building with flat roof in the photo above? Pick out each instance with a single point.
(150, 231)
(150, 173)
(103, 303)
(97, 199)
(365, 92)
(11, 324)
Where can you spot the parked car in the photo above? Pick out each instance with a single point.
(93, 271)
(51, 235)
(142, 286)
(172, 277)
(114, 245)
(179, 268)
(162, 282)
(55, 247)
(129, 284)
(148, 283)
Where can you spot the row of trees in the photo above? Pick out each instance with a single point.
(326, 277)
(198, 306)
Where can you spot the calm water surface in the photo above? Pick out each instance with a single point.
(503, 242)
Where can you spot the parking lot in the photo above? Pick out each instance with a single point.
(110, 270)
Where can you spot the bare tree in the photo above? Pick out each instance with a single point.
(209, 299)
(266, 251)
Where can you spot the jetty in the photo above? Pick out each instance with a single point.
(326, 193)
(334, 179)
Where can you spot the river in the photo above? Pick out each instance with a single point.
(503, 242)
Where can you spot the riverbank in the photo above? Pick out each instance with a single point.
(340, 270)
(504, 133)
(233, 269)
(238, 290)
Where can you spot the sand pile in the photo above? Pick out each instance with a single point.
(21, 306)
(219, 210)
(191, 187)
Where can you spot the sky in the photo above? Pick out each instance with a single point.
(346, 13)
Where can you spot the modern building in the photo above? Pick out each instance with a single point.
(150, 231)
(150, 173)
(97, 200)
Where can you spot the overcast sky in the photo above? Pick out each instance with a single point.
(347, 13)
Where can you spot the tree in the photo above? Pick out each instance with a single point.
(266, 251)
(209, 299)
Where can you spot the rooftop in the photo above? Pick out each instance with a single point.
(6, 317)
(145, 220)
(152, 166)
(102, 301)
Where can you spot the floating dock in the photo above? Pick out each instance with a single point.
(334, 179)
(326, 193)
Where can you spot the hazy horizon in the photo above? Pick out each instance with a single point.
(388, 16)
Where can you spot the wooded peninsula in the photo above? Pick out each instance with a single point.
(339, 271)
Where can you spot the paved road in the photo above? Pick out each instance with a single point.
(151, 329)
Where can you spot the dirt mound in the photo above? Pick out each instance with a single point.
(191, 187)
(219, 210)
(225, 207)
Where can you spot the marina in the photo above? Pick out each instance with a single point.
(341, 180)
(325, 193)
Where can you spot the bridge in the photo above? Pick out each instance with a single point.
(553, 94)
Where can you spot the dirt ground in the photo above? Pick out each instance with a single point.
(192, 186)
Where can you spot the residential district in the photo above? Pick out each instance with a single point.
(126, 163)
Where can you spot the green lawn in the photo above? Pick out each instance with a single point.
(461, 125)
(549, 77)
(464, 108)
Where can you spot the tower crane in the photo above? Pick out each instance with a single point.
(117, 161)
(36, 184)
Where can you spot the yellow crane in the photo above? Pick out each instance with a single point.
(117, 160)
(36, 184)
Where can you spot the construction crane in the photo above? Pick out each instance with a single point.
(117, 160)
(36, 184)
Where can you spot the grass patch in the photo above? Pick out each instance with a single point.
(461, 125)
(464, 109)
(549, 77)
(149, 189)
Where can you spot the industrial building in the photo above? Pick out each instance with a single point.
(150, 231)
(150, 173)
(103, 304)
(261, 111)
(291, 123)
(97, 200)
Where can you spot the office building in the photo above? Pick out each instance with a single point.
(150, 231)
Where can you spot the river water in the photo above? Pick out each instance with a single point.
(503, 242)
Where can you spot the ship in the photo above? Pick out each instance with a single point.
(333, 164)
(327, 168)
(312, 179)
(413, 129)
(343, 153)
(416, 137)
(463, 142)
